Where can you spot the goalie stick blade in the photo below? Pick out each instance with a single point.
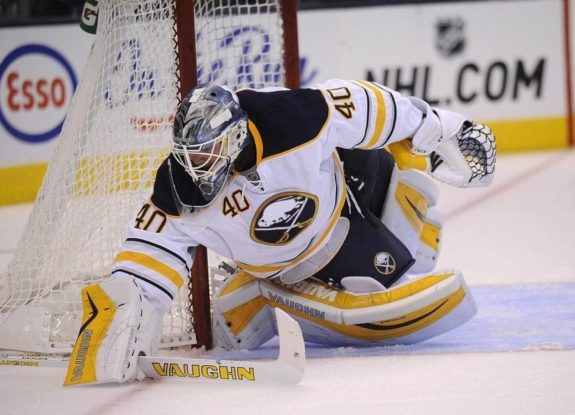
(288, 368)
(31, 360)
(292, 346)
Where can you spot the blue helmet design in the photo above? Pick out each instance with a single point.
(209, 132)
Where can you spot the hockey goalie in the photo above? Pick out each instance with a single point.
(323, 198)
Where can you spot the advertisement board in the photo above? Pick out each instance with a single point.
(497, 62)
(502, 63)
(39, 72)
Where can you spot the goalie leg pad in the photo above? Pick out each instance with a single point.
(429, 243)
(408, 200)
(242, 317)
(119, 325)
(417, 310)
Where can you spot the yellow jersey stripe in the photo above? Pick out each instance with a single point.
(258, 141)
(380, 112)
(153, 264)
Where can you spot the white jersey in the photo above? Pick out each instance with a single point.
(282, 211)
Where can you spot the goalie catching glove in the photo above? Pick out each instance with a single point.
(119, 324)
(448, 147)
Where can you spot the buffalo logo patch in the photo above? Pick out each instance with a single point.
(283, 217)
(384, 263)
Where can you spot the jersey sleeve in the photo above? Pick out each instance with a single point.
(366, 115)
(157, 251)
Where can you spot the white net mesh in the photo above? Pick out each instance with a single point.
(239, 43)
(115, 135)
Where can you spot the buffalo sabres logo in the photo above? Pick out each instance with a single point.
(282, 217)
(384, 263)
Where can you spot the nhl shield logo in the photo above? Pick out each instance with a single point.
(450, 39)
(282, 217)
(384, 263)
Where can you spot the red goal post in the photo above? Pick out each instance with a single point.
(199, 276)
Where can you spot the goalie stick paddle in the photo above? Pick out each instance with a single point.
(288, 368)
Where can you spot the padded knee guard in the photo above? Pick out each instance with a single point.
(409, 214)
(242, 318)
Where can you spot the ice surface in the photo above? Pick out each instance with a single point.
(515, 244)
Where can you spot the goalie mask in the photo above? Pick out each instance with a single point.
(210, 130)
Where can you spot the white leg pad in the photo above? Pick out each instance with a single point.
(430, 243)
(418, 309)
(421, 308)
(409, 196)
(358, 284)
(242, 318)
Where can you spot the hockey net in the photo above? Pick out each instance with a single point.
(116, 134)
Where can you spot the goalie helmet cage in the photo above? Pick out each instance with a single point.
(146, 55)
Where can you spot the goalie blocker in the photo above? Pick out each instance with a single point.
(410, 312)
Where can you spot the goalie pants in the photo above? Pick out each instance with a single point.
(369, 249)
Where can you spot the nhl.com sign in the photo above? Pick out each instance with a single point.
(36, 85)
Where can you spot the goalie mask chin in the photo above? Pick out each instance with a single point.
(209, 132)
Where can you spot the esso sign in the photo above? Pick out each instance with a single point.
(29, 94)
(36, 86)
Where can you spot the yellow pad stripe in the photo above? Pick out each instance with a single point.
(413, 204)
(323, 293)
(243, 278)
(238, 318)
(98, 313)
(391, 329)
(152, 263)
(430, 235)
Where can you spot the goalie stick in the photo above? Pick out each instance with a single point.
(288, 368)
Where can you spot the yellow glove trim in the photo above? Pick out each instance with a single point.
(98, 313)
(405, 159)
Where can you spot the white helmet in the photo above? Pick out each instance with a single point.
(210, 130)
